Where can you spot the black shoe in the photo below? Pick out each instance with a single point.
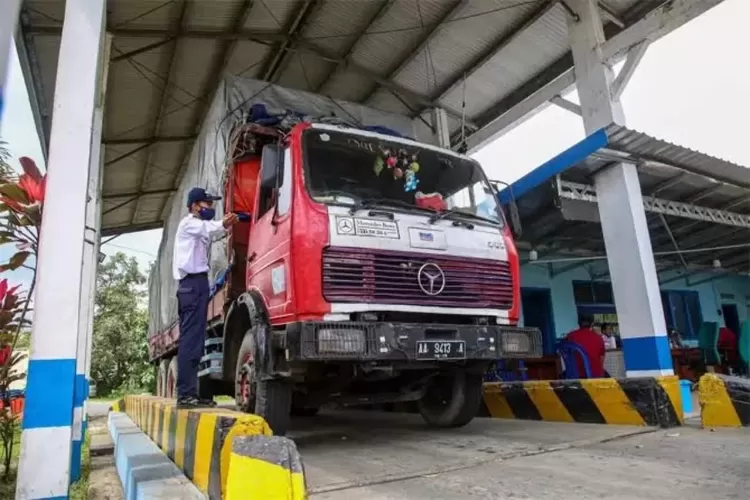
(193, 402)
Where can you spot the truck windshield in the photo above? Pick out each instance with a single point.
(347, 168)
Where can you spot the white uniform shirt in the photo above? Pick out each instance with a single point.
(191, 245)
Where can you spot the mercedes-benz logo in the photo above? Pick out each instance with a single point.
(431, 279)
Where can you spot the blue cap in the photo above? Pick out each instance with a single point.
(199, 194)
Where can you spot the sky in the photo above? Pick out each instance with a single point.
(689, 89)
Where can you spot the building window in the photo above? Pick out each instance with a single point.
(682, 312)
(593, 292)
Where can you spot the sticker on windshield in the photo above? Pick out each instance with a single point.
(350, 226)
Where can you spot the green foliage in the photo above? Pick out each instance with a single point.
(119, 360)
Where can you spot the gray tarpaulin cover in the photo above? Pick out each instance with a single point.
(207, 167)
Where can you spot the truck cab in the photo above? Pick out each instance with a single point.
(367, 269)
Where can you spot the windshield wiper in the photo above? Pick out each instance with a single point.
(452, 211)
(373, 202)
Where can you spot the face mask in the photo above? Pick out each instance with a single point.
(207, 213)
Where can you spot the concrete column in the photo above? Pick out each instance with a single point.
(623, 219)
(88, 271)
(9, 10)
(44, 464)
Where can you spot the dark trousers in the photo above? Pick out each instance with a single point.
(192, 299)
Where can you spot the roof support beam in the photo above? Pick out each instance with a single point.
(153, 139)
(609, 14)
(427, 37)
(566, 105)
(628, 69)
(361, 34)
(273, 69)
(147, 226)
(382, 81)
(218, 70)
(128, 154)
(29, 62)
(556, 80)
(499, 44)
(146, 48)
(179, 26)
(135, 194)
(672, 181)
(582, 192)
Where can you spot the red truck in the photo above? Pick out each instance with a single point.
(372, 269)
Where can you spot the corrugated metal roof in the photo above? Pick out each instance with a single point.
(666, 171)
(168, 57)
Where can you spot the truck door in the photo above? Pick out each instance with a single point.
(269, 250)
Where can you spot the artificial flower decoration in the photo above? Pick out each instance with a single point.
(402, 166)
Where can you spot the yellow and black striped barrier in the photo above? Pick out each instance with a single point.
(118, 406)
(265, 467)
(643, 401)
(724, 401)
(198, 441)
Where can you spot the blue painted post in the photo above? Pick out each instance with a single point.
(46, 445)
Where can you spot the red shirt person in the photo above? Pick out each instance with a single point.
(592, 344)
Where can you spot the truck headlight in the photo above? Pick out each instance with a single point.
(341, 341)
(515, 343)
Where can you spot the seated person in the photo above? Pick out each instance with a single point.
(727, 345)
(592, 344)
(675, 339)
(608, 335)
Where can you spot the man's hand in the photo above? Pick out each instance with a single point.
(230, 220)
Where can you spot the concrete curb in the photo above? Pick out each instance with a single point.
(724, 401)
(265, 467)
(144, 471)
(198, 441)
(642, 401)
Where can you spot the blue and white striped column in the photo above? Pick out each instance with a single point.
(88, 282)
(623, 219)
(44, 463)
(9, 10)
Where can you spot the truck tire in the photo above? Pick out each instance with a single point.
(452, 399)
(171, 382)
(161, 378)
(270, 399)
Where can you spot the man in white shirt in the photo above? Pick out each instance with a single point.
(190, 269)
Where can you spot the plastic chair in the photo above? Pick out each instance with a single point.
(499, 372)
(743, 347)
(570, 352)
(708, 341)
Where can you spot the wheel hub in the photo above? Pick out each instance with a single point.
(247, 379)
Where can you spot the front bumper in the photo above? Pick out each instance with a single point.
(381, 341)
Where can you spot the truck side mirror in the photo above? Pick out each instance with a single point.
(515, 219)
(512, 214)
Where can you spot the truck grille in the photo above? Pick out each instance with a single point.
(386, 277)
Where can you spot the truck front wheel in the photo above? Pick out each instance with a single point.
(270, 399)
(452, 399)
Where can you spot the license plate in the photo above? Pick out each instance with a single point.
(441, 349)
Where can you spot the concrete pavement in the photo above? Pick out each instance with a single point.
(387, 457)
